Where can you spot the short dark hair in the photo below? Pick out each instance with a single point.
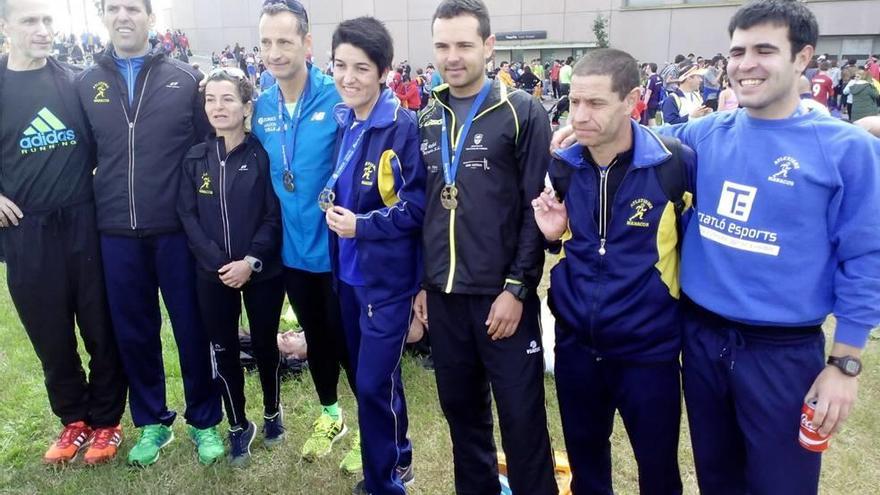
(454, 8)
(275, 7)
(148, 5)
(679, 59)
(617, 64)
(653, 67)
(370, 35)
(803, 29)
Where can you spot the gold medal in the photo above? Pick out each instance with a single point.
(287, 179)
(325, 199)
(449, 197)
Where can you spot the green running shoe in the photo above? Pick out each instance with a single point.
(209, 444)
(326, 431)
(146, 451)
(352, 462)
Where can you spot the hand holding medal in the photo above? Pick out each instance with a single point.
(341, 221)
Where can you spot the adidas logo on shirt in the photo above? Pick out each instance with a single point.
(45, 133)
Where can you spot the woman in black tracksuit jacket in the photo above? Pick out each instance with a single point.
(233, 224)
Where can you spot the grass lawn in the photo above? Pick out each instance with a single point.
(851, 466)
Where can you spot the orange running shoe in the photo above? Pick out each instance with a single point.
(73, 437)
(105, 443)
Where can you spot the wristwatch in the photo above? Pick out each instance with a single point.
(519, 291)
(256, 264)
(849, 365)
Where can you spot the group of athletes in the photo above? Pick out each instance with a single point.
(703, 256)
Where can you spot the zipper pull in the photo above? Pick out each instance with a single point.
(370, 310)
(602, 247)
(131, 125)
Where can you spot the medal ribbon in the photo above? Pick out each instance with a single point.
(450, 167)
(344, 160)
(296, 120)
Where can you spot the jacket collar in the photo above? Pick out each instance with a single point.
(648, 150)
(384, 113)
(312, 89)
(107, 58)
(497, 95)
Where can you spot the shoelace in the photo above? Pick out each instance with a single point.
(70, 433)
(209, 437)
(323, 426)
(103, 437)
(151, 435)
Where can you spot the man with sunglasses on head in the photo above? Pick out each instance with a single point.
(145, 112)
(294, 121)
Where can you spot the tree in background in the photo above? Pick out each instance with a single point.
(600, 30)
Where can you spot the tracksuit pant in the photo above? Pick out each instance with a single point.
(376, 337)
(468, 365)
(221, 308)
(648, 397)
(744, 387)
(53, 271)
(316, 305)
(136, 269)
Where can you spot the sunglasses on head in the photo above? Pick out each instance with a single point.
(230, 71)
(292, 5)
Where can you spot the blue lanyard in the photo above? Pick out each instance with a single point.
(344, 160)
(450, 167)
(296, 119)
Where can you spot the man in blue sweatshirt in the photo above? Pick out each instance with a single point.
(784, 234)
(294, 122)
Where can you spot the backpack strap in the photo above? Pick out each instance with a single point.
(672, 175)
(673, 180)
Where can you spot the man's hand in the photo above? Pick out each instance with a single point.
(504, 316)
(341, 221)
(835, 393)
(235, 274)
(421, 307)
(550, 215)
(700, 112)
(9, 212)
(562, 138)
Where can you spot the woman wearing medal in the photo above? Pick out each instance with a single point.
(374, 205)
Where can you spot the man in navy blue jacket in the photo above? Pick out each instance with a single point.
(145, 112)
(615, 291)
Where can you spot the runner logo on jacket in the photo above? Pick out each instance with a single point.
(205, 188)
(45, 133)
(640, 207)
(369, 171)
(101, 88)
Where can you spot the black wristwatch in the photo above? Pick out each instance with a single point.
(519, 291)
(849, 365)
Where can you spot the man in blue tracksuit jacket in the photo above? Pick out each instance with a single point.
(294, 122)
(784, 233)
(378, 273)
(614, 292)
(145, 112)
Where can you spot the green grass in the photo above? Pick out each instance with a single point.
(852, 465)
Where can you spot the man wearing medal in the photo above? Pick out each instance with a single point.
(294, 122)
(483, 145)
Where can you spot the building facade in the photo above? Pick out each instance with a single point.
(652, 30)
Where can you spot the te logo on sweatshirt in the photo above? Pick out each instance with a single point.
(736, 201)
(785, 165)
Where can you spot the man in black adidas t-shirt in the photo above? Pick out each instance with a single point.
(49, 235)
